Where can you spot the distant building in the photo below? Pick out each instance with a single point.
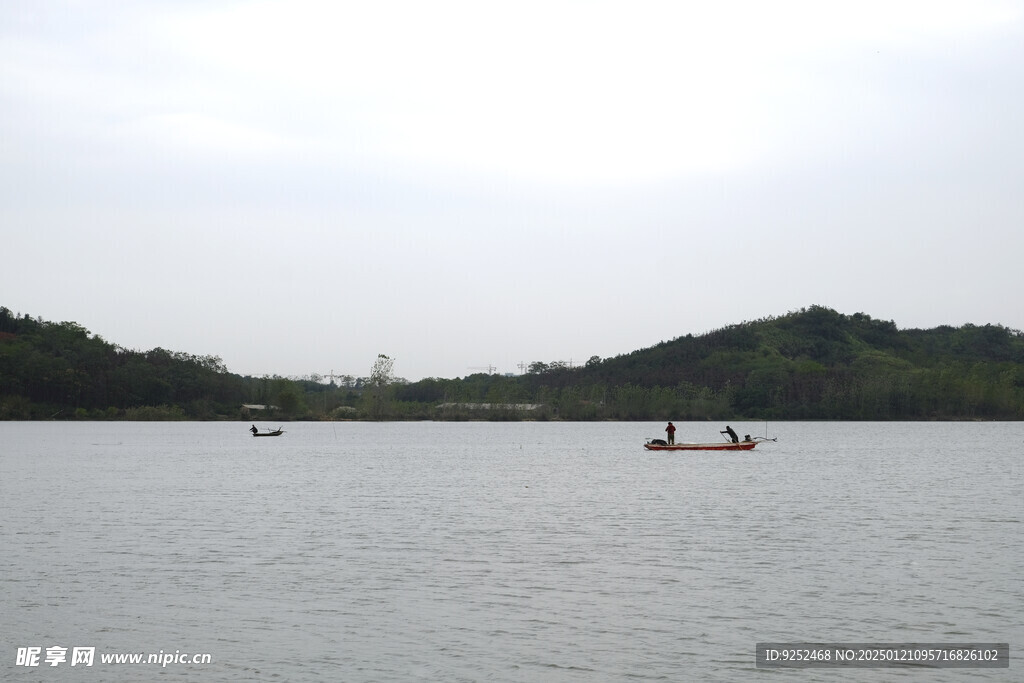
(524, 407)
(247, 407)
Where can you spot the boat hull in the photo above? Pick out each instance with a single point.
(741, 446)
(279, 432)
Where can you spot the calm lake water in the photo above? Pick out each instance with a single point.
(504, 551)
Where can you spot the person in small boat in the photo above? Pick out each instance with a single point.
(254, 430)
(671, 431)
(731, 433)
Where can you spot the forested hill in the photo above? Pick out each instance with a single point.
(61, 371)
(810, 364)
(819, 364)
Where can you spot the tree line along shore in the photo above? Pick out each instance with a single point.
(811, 364)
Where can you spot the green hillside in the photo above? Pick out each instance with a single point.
(820, 364)
(810, 364)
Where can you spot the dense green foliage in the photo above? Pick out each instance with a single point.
(810, 364)
(819, 364)
(60, 370)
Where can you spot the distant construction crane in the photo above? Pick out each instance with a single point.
(489, 368)
(332, 376)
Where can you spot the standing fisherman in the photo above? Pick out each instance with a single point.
(671, 431)
(731, 433)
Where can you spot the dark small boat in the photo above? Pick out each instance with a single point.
(276, 432)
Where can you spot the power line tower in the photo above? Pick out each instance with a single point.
(489, 368)
(332, 384)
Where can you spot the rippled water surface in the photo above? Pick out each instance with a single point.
(504, 551)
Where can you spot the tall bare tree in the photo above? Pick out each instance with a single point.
(381, 378)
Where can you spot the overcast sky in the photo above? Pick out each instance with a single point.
(298, 186)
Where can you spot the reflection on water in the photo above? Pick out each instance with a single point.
(503, 551)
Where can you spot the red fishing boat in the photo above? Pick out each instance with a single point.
(731, 444)
(661, 445)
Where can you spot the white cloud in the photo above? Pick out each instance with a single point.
(568, 91)
(564, 91)
(193, 132)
